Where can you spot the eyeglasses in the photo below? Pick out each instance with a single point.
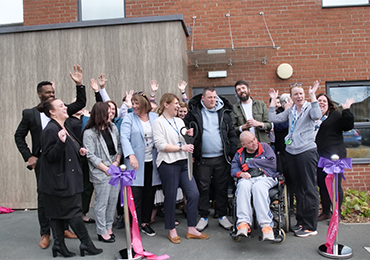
(298, 84)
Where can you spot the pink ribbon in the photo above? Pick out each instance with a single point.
(136, 239)
(123, 177)
(331, 168)
(5, 210)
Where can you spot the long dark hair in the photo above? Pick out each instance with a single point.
(331, 105)
(99, 117)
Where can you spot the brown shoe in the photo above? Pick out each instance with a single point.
(191, 236)
(175, 240)
(323, 216)
(69, 234)
(44, 242)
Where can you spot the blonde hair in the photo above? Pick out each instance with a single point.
(166, 98)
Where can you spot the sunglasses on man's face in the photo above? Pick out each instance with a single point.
(296, 84)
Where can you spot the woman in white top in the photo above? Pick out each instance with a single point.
(140, 155)
(172, 167)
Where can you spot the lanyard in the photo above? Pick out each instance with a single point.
(176, 129)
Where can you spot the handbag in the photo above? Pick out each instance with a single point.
(255, 172)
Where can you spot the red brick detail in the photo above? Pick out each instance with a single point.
(357, 178)
(49, 11)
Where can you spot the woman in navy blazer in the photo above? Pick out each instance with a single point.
(61, 179)
(140, 154)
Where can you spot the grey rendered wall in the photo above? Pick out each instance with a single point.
(130, 55)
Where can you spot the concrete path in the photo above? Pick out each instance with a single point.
(19, 239)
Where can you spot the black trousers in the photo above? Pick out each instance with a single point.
(88, 186)
(217, 171)
(302, 171)
(144, 196)
(43, 220)
(324, 194)
(173, 176)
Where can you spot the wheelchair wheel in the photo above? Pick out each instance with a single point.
(233, 235)
(279, 238)
(235, 238)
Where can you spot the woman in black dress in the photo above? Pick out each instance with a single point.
(61, 179)
(329, 140)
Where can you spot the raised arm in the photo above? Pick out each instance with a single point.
(80, 102)
(154, 87)
(182, 86)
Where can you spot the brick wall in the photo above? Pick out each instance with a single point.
(324, 44)
(49, 11)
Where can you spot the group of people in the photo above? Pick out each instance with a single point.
(72, 152)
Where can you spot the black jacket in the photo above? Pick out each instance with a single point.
(60, 170)
(31, 122)
(228, 135)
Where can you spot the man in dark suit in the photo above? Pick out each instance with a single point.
(34, 122)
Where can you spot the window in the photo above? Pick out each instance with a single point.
(344, 3)
(101, 9)
(11, 12)
(227, 92)
(357, 141)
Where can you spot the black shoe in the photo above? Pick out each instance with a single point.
(148, 230)
(120, 223)
(297, 228)
(61, 249)
(89, 221)
(110, 240)
(90, 248)
(113, 235)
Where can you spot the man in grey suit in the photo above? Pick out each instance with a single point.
(34, 122)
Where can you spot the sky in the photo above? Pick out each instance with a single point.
(11, 11)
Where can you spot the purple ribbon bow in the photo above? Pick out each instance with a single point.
(124, 177)
(331, 167)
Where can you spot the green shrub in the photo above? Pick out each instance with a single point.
(355, 204)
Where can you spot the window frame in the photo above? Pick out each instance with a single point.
(324, 4)
(357, 125)
(79, 12)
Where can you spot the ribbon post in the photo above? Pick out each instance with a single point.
(333, 167)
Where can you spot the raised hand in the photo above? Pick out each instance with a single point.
(77, 74)
(94, 85)
(273, 94)
(62, 134)
(153, 85)
(127, 101)
(348, 103)
(102, 80)
(312, 90)
(182, 85)
(53, 85)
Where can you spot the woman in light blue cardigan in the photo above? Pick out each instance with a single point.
(140, 155)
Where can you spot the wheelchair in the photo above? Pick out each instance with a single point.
(279, 206)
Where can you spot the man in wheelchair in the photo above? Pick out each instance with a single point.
(254, 165)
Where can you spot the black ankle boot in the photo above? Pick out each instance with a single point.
(90, 248)
(80, 230)
(57, 226)
(61, 249)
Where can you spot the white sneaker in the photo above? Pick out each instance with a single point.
(225, 223)
(202, 224)
(243, 229)
(268, 233)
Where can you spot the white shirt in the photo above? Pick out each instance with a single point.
(248, 113)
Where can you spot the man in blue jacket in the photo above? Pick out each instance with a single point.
(255, 166)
